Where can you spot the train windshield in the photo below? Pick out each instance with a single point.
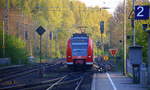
(79, 46)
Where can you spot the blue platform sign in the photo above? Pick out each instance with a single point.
(102, 26)
(40, 30)
(141, 12)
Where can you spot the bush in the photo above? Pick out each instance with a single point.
(14, 49)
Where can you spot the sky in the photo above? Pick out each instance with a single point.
(112, 4)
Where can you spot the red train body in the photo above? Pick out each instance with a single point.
(79, 51)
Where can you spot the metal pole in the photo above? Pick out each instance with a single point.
(56, 43)
(133, 38)
(109, 38)
(102, 37)
(133, 23)
(6, 17)
(102, 44)
(31, 52)
(149, 58)
(3, 41)
(5, 26)
(40, 48)
(124, 39)
(51, 46)
(47, 44)
(41, 74)
(35, 45)
(116, 66)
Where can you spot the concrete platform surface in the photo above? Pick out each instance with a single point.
(113, 81)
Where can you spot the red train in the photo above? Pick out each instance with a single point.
(79, 51)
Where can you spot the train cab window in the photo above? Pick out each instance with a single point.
(79, 46)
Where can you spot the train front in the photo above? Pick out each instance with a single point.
(80, 51)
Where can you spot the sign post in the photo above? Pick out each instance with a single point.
(114, 52)
(40, 30)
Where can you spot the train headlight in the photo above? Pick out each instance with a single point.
(89, 56)
(69, 56)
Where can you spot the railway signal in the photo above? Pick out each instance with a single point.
(26, 35)
(40, 30)
(102, 26)
(102, 31)
(51, 35)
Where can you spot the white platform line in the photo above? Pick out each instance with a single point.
(93, 82)
(112, 83)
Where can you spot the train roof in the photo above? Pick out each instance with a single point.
(79, 35)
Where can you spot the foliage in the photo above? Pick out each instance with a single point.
(62, 17)
(116, 27)
(14, 49)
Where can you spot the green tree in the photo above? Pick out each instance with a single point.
(14, 49)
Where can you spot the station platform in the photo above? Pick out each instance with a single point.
(114, 81)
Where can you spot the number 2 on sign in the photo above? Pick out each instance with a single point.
(140, 12)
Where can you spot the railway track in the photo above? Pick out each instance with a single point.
(6, 70)
(24, 73)
(74, 79)
(36, 85)
(17, 72)
(71, 82)
(33, 86)
(60, 81)
(9, 73)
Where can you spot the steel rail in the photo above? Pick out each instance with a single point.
(79, 84)
(17, 75)
(30, 86)
(56, 83)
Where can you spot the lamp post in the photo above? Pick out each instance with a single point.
(102, 31)
(124, 42)
(6, 18)
(3, 46)
(5, 25)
